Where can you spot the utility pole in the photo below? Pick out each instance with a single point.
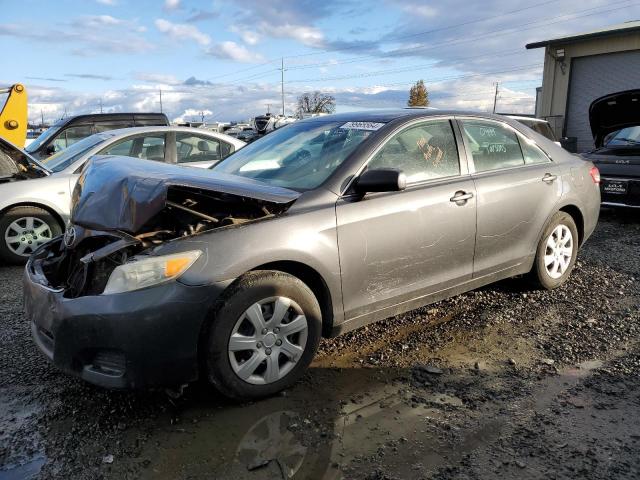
(101, 105)
(160, 100)
(41, 118)
(495, 97)
(202, 116)
(268, 108)
(282, 83)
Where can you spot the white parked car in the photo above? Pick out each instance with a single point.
(35, 196)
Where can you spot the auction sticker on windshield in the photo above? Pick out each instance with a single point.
(371, 126)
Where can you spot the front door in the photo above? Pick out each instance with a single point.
(517, 187)
(397, 246)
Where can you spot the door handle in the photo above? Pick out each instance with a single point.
(461, 197)
(549, 178)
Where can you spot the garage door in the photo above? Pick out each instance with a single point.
(593, 77)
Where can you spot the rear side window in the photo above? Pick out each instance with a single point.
(198, 148)
(532, 153)
(492, 145)
(148, 147)
(423, 152)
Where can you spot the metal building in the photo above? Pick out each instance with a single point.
(582, 67)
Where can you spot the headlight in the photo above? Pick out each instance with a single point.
(149, 271)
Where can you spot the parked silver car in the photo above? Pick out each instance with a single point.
(35, 199)
(234, 274)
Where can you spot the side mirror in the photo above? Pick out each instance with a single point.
(381, 180)
(50, 150)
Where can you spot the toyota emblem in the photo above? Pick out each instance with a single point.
(69, 237)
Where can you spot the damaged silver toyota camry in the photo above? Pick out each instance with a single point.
(167, 275)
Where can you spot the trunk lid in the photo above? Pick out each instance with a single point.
(614, 112)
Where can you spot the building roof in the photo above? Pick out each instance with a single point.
(620, 28)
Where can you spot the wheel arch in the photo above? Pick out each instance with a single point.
(578, 218)
(316, 283)
(52, 211)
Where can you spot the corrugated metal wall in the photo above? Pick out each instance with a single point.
(593, 77)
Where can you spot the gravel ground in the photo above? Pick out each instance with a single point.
(503, 382)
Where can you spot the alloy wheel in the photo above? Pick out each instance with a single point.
(26, 234)
(559, 251)
(267, 340)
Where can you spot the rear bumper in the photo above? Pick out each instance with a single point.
(627, 196)
(141, 339)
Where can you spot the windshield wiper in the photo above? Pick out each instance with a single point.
(628, 140)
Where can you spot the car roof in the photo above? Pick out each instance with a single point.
(124, 132)
(388, 115)
(529, 119)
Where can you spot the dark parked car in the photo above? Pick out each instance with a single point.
(69, 130)
(233, 274)
(615, 124)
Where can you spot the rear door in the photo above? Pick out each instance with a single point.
(397, 246)
(517, 188)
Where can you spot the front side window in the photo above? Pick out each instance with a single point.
(300, 156)
(71, 135)
(423, 152)
(61, 160)
(198, 148)
(493, 146)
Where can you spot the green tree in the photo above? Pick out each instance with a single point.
(418, 95)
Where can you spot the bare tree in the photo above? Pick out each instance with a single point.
(316, 102)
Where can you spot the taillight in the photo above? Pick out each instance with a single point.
(595, 175)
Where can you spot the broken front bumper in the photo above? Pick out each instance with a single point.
(139, 339)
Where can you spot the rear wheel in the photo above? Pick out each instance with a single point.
(263, 335)
(23, 230)
(557, 252)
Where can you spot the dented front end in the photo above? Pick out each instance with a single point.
(123, 209)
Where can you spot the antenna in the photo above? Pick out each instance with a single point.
(495, 97)
(160, 100)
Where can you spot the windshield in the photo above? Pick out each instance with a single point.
(299, 156)
(43, 138)
(626, 136)
(61, 160)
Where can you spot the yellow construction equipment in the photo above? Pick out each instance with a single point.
(13, 116)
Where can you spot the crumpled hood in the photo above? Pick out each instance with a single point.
(614, 112)
(122, 193)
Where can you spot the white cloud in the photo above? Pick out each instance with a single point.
(233, 51)
(181, 31)
(171, 4)
(110, 3)
(191, 115)
(250, 37)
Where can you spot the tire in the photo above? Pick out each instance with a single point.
(552, 267)
(261, 364)
(38, 225)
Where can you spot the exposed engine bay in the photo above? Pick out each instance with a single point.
(131, 212)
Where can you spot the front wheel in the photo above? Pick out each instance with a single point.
(557, 252)
(262, 336)
(22, 230)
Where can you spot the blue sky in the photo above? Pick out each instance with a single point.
(222, 58)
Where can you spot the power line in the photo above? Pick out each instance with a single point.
(399, 37)
(531, 25)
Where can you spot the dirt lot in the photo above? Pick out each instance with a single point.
(504, 382)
